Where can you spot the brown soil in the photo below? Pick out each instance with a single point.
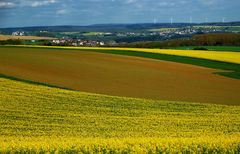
(120, 75)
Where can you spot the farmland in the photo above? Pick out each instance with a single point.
(212, 48)
(118, 100)
(162, 29)
(119, 75)
(235, 29)
(36, 118)
(7, 37)
(227, 56)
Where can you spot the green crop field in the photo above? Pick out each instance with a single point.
(233, 29)
(162, 29)
(216, 26)
(93, 33)
(39, 119)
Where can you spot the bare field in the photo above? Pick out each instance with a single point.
(223, 56)
(7, 37)
(119, 75)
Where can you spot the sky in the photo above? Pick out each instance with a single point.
(20, 13)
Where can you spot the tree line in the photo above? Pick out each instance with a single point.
(11, 42)
(225, 39)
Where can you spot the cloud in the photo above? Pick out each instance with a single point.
(166, 4)
(42, 3)
(25, 3)
(209, 2)
(61, 12)
(131, 1)
(7, 4)
(114, 11)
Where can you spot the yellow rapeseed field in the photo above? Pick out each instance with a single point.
(40, 119)
(225, 56)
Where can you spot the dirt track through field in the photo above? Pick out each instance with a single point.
(120, 75)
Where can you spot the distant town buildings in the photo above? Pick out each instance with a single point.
(77, 42)
(110, 38)
(18, 33)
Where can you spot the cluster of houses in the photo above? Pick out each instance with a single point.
(162, 34)
(185, 31)
(170, 32)
(18, 33)
(77, 42)
(190, 31)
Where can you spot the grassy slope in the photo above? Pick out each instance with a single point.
(35, 118)
(232, 69)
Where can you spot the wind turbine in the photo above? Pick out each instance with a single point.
(171, 20)
(154, 20)
(190, 20)
(223, 19)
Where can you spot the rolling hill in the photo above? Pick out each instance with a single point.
(40, 119)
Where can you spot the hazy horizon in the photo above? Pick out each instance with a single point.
(28, 13)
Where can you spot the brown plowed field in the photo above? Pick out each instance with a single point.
(120, 75)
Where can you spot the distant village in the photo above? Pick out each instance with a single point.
(65, 41)
(18, 33)
(76, 42)
(169, 32)
(162, 34)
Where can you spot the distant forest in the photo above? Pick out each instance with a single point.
(225, 39)
(11, 42)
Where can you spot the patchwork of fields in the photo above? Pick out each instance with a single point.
(227, 56)
(46, 107)
(119, 75)
(36, 118)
